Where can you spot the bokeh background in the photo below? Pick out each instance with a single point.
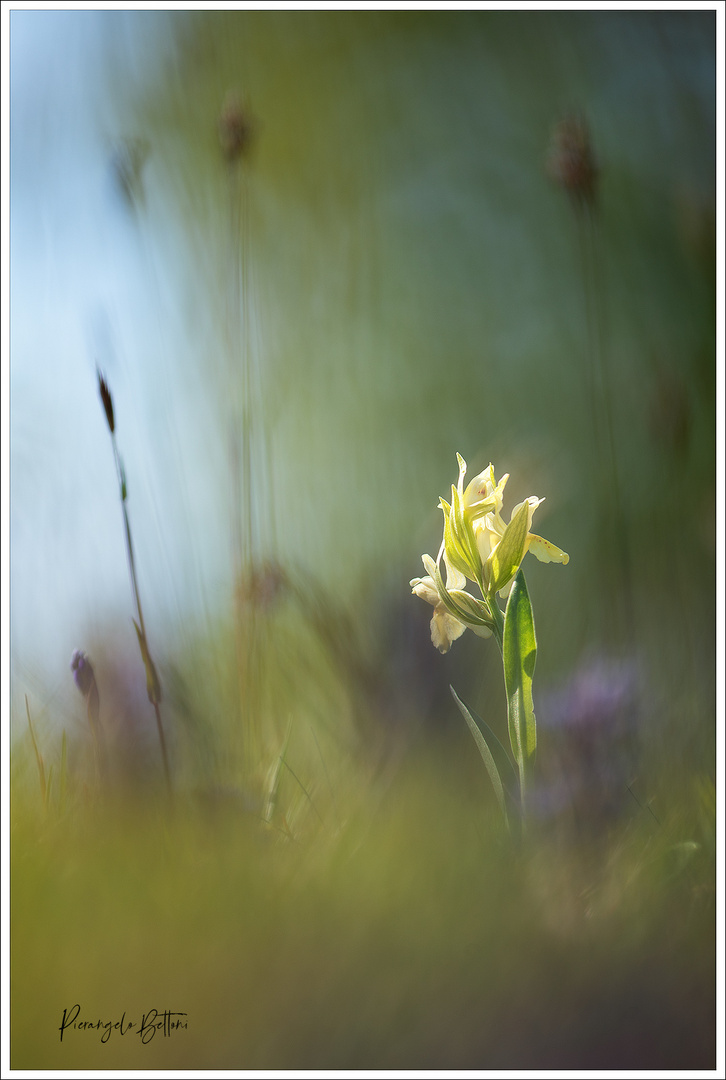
(316, 254)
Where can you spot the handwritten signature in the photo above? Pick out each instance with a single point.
(146, 1028)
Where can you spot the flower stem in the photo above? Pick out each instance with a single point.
(498, 617)
(495, 611)
(498, 620)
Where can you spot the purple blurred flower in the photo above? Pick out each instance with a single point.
(86, 683)
(590, 745)
(82, 672)
(599, 697)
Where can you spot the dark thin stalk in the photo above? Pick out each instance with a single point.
(162, 741)
(153, 686)
(600, 383)
(38, 757)
(303, 788)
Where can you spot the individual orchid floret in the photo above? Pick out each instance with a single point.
(481, 491)
(482, 496)
(465, 508)
(503, 547)
(455, 610)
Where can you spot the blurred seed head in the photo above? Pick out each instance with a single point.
(127, 162)
(107, 400)
(85, 680)
(571, 162)
(695, 222)
(82, 672)
(670, 412)
(262, 585)
(236, 129)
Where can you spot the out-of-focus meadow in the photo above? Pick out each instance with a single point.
(315, 254)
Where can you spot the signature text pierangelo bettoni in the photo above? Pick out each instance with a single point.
(153, 1022)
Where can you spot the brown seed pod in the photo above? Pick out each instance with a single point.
(236, 129)
(571, 162)
(107, 400)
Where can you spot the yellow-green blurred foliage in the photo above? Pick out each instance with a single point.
(386, 273)
(410, 937)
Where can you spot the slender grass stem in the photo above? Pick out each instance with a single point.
(303, 789)
(38, 757)
(153, 686)
(327, 775)
(614, 527)
(129, 542)
(162, 742)
(238, 320)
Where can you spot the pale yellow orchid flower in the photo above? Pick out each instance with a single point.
(481, 491)
(454, 609)
(478, 545)
(489, 531)
(474, 528)
(482, 496)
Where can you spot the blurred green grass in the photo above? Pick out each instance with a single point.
(416, 289)
(416, 938)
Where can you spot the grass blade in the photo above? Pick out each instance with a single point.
(63, 772)
(488, 749)
(38, 755)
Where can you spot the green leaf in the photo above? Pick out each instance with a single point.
(494, 756)
(509, 552)
(519, 650)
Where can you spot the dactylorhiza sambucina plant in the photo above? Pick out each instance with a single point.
(479, 547)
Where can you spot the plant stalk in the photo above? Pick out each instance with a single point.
(152, 681)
